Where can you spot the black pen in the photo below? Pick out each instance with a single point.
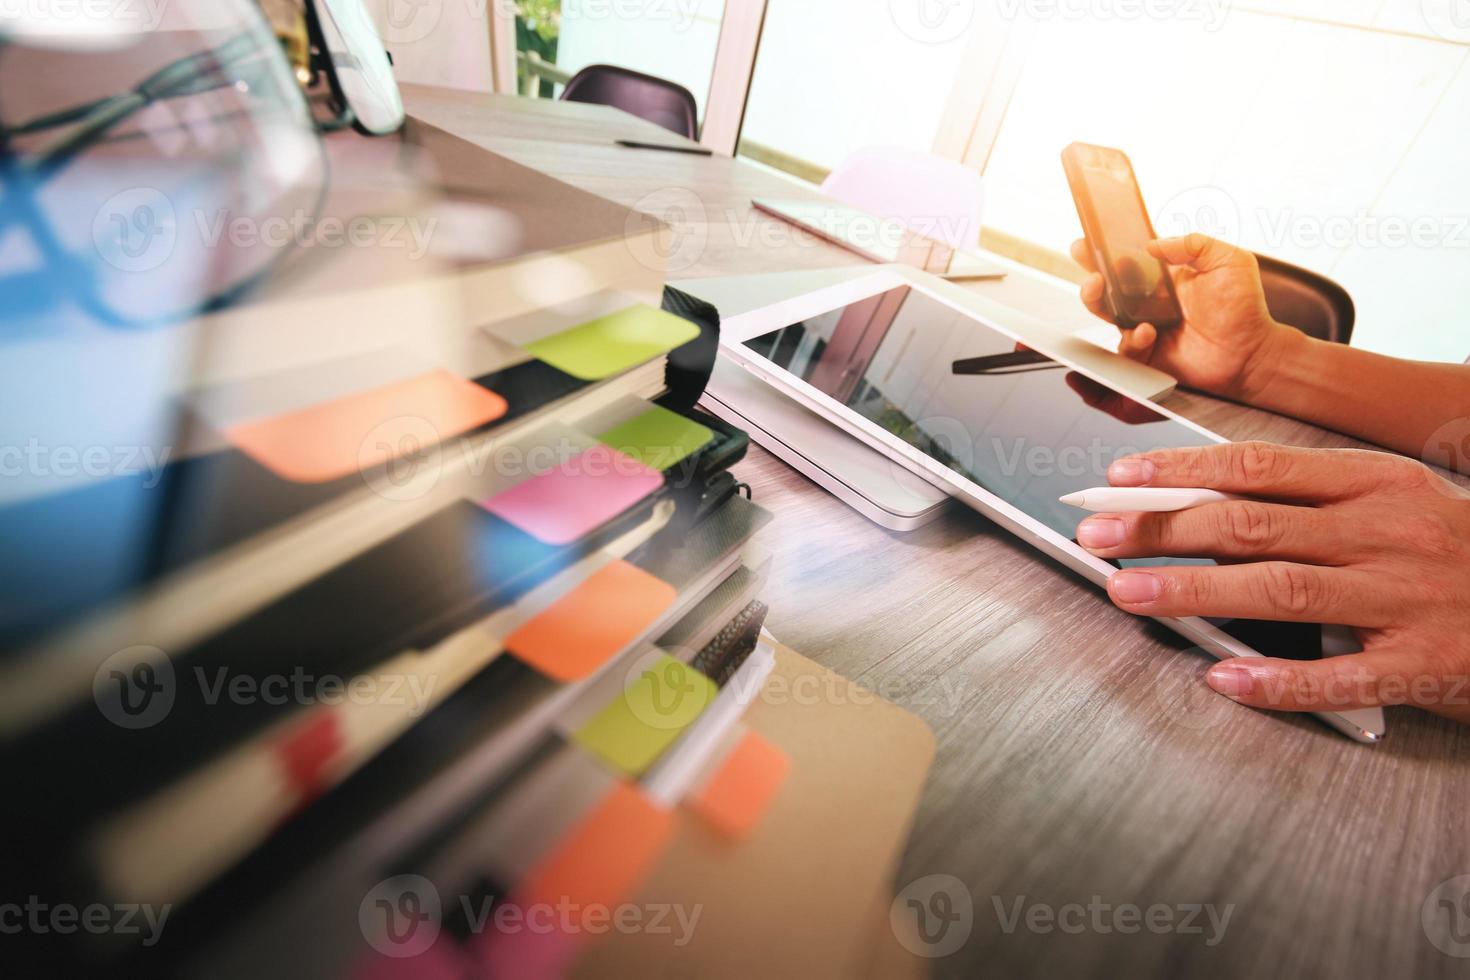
(699, 151)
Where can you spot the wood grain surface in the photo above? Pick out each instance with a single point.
(1082, 760)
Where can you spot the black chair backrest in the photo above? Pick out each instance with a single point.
(658, 100)
(1314, 304)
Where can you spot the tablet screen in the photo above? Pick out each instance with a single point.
(1023, 427)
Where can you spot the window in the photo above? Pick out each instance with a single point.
(1339, 145)
(673, 39)
(834, 76)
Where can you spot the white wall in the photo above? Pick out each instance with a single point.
(436, 42)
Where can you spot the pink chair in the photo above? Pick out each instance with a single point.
(930, 195)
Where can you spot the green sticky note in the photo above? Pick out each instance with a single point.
(658, 438)
(614, 344)
(647, 716)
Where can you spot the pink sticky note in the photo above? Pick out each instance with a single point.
(579, 495)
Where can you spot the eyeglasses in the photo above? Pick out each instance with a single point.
(137, 202)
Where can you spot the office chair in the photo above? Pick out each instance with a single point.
(658, 100)
(1312, 303)
(932, 196)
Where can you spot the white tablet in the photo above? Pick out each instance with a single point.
(943, 390)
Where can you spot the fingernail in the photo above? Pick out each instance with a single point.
(1131, 473)
(1231, 680)
(1099, 532)
(1135, 587)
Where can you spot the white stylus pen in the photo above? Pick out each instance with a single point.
(1146, 500)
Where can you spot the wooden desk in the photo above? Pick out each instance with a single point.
(1082, 759)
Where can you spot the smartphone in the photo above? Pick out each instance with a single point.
(1118, 229)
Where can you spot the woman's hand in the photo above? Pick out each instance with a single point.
(1368, 540)
(1224, 344)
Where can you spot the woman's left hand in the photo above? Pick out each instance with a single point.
(1363, 539)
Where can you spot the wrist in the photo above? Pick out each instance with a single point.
(1278, 358)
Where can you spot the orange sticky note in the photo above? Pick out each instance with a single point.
(595, 621)
(604, 858)
(360, 432)
(738, 794)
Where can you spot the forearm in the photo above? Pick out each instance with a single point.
(1419, 409)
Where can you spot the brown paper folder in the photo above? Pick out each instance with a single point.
(807, 893)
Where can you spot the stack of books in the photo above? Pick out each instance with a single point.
(436, 608)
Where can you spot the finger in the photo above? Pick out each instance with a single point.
(1082, 255)
(1278, 591)
(1120, 407)
(1259, 469)
(1093, 288)
(1238, 529)
(1138, 344)
(1364, 680)
(1200, 253)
